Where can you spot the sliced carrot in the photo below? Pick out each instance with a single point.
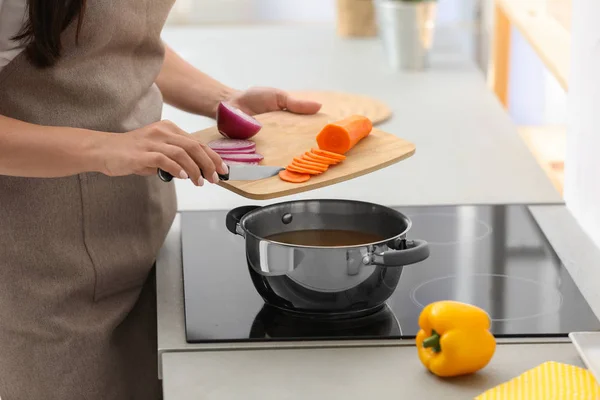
(316, 158)
(329, 160)
(303, 165)
(310, 163)
(341, 136)
(302, 170)
(329, 154)
(293, 177)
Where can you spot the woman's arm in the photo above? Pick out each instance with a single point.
(189, 89)
(35, 151)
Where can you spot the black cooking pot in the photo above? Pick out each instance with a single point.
(325, 278)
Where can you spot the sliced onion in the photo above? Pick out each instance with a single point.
(241, 163)
(231, 145)
(255, 157)
(235, 124)
(242, 151)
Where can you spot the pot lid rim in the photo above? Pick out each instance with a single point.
(401, 235)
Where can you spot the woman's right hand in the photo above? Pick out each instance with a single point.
(161, 145)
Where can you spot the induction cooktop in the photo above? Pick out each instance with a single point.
(493, 256)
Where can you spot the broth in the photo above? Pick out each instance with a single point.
(325, 238)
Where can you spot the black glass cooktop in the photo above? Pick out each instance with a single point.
(495, 257)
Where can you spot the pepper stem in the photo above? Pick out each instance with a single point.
(433, 342)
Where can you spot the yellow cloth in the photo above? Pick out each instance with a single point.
(548, 381)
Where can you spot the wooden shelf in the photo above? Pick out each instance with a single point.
(545, 24)
(547, 35)
(547, 144)
(562, 10)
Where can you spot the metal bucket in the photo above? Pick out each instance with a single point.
(406, 29)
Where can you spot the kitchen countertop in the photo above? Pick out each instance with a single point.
(467, 148)
(361, 373)
(449, 105)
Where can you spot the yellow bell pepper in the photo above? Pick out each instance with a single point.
(454, 338)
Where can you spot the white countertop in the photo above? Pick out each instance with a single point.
(468, 151)
(467, 148)
(331, 374)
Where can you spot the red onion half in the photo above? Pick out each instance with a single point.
(235, 124)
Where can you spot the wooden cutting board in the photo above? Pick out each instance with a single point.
(343, 104)
(285, 135)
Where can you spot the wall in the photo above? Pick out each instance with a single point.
(582, 164)
(253, 11)
(455, 13)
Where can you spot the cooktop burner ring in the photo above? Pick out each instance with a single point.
(553, 298)
(445, 222)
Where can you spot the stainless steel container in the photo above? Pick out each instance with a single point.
(406, 29)
(326, 280)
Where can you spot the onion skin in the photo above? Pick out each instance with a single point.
(232, 123)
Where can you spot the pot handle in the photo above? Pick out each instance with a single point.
(233, 218)
(415, 251)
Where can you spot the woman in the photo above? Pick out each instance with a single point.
(84, 214)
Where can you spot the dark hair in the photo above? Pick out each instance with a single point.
(41, 33)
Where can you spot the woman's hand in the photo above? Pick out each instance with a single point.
(160, 145)
(260, 100)
(189, 89)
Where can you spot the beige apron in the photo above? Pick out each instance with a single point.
(77, 301)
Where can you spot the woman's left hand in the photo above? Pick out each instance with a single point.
(258, 100)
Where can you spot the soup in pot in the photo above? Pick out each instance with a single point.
(325, 238)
